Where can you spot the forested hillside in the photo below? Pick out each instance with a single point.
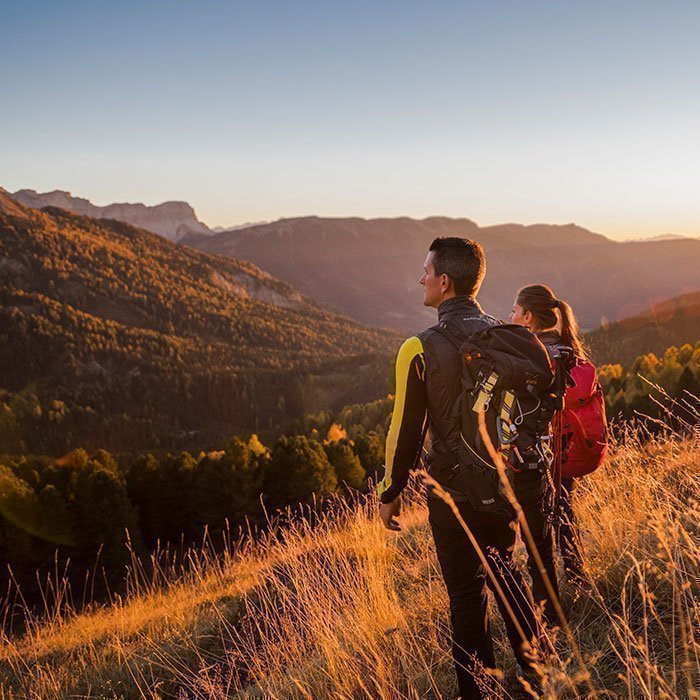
(113, 337)
(670, 322)
(83, 501)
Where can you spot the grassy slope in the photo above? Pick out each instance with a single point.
(348, 610)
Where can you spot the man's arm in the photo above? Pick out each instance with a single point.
(407, 430)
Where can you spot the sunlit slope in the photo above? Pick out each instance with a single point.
(349, 610)
(671, 322)
(142, 341)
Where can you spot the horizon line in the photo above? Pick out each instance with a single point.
(220, 228)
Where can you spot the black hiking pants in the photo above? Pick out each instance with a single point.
(529, 489)
(466, 581)
(567, 534)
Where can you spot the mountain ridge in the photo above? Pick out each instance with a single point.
(172, 220)
(369, 268)
(366, 268)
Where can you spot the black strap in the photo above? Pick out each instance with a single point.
(441, 328)
(433, 424)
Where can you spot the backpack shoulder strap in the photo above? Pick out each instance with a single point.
(444, 331)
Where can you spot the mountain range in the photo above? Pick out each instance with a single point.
(660, 237)
(369, 268)
(118, 338)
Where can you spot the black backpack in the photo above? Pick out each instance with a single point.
(507, 373)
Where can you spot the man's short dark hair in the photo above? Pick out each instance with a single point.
(462, 260)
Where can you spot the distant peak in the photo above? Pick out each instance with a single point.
(662, 237)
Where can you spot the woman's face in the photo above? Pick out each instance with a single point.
(519, 316)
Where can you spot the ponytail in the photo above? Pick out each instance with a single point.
(569, 330)
(549, 312)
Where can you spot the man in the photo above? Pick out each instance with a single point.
(428, 387)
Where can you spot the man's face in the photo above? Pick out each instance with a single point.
(433, 287)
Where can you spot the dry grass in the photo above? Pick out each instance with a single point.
(347, 610)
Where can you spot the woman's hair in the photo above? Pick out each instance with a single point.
(540, 301)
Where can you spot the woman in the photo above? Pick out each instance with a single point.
(553, 321)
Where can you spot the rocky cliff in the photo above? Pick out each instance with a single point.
(172, 220)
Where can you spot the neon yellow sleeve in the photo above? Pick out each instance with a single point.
(406, 432)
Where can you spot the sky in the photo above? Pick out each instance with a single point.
(495, 110)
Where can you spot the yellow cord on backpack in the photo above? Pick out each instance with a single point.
(507, 431)
(485, 394)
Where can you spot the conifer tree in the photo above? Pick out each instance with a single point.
(346, 464)
(370, 449)
(298, 468)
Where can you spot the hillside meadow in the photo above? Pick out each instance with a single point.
(334, 606)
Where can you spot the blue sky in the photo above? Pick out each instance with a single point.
(494, 110)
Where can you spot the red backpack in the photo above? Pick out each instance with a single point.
(581, 426)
